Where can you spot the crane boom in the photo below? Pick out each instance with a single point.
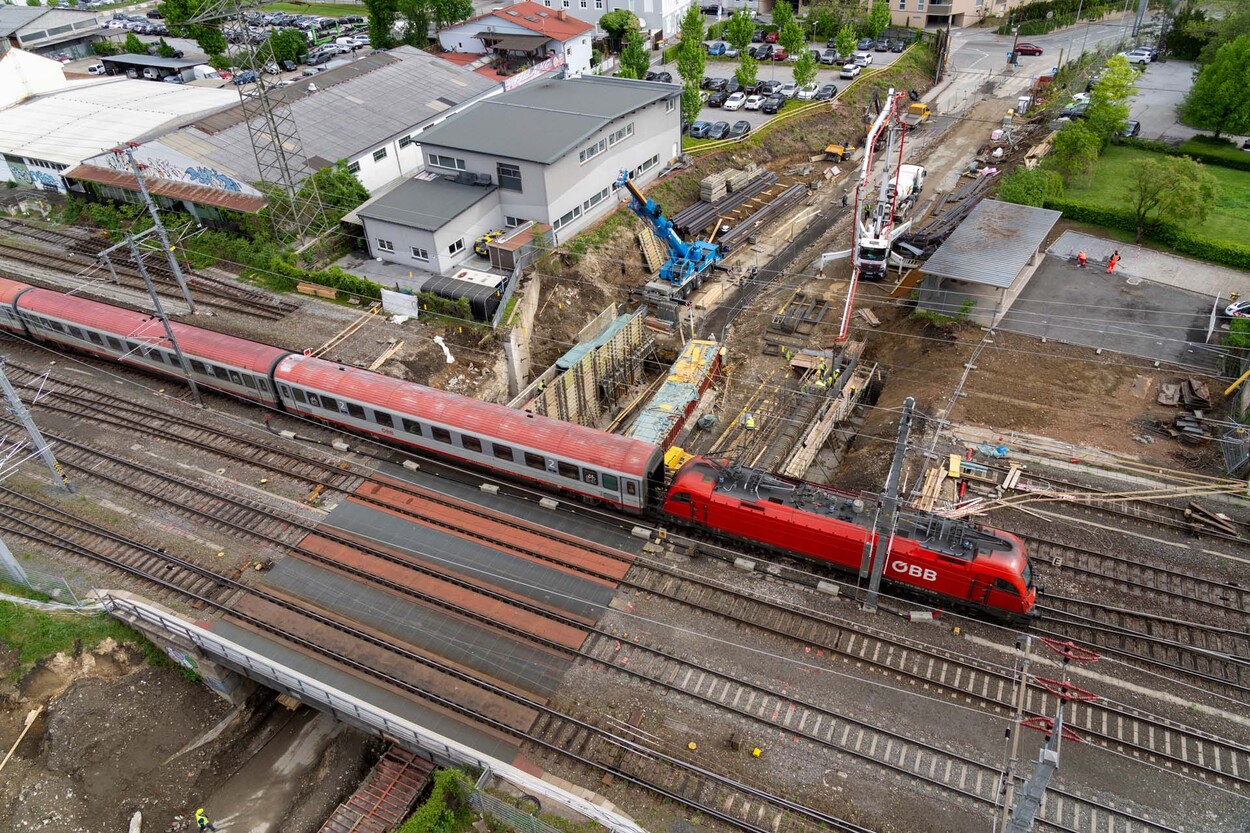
(687, 262)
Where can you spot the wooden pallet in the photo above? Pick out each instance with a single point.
(385, 797)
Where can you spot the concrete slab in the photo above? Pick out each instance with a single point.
(386, 699)
(1161, 90)
(1114, 312)
(547, 585)
(1156, 266)
(429, 629)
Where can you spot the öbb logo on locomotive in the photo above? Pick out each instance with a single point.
(914, 570)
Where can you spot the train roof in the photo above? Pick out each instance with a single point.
(958, 538)
(194, 341)
(564, 439)
(10, 290)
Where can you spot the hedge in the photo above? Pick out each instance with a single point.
(1236, 255)
(1220, 160)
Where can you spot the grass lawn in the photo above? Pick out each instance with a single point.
(35, 634)
(1227, 150)
(1108, 187)
(320, 9)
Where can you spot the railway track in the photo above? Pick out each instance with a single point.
(221, 294)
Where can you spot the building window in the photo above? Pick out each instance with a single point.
(920, 5)
(622, 134)
(353, 167)
(405, 141)
(902, 4)
(593, 151)
(509, 176)
(585, 5)
(566, 4)
(567, 218)
(670, 105)
(456, 247)
(598, 4)
(596, 199)
(446, 162)
(646, 166)
(379, 154)
(385, 245)
(420, 254)
(513, 222)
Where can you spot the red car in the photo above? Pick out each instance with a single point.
(770, 37)
(1028, 49)
(779, 54)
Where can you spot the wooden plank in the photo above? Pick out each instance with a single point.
(320, 291)
(1013, 476)
(954, 465)
(867, 315)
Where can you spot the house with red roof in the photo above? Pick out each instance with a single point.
(522, 36)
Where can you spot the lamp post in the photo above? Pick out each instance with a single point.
(1015, 39)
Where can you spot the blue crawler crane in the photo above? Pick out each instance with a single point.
(687, 263)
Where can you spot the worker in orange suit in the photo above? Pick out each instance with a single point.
(1081, 258)
(1115, 259)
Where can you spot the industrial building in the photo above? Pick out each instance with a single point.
(50, 31)
(557, 162)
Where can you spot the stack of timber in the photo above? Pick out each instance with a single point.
(1190, 426)
(1201, 517)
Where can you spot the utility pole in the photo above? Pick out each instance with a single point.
(887, 510)
(1025, 812)
(41, 447)
(1007, 787)
(129, 151)
(1015, 40)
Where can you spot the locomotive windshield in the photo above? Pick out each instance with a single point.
(1027, 575)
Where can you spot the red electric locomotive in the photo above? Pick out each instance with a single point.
(944, 559)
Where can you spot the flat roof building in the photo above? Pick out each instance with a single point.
(47, 30)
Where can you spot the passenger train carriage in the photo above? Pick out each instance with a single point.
(952, 561)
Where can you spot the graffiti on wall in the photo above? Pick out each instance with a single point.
(168, 164)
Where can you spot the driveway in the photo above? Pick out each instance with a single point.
(1160, 92)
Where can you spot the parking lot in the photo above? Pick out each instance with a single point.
(1161, 90)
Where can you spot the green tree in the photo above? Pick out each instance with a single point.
(164, 50)
(416, 17)
(33, 3)
(287, 44)
(846, 40)
(1220, 98)
(878, 19)
(1075, 150)
(791, 36)
(1227, 29)
(738, 30)
(1109, 99)
(805, 68)
(1172, 189)
(338, 189)
(618, 24)
(209, 38)
(825, 20)
(446, 12)
(133, 45)
(783, 13)
(748, 70)
(382, 15)
(634, 59)
(1031, 186)
(691, 61)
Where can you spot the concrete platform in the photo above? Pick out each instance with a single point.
(1152, 265)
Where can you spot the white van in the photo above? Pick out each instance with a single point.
(151, 74)
(203, 71)
(96, 69)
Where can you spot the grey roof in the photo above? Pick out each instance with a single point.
(992, 244)
(424, 204)
(130, 59)
(544, 120)
(355, 107)
(13, 18)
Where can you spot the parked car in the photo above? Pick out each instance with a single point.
(173, 79)
(731, 52)
(720, 130)
(753, 102)
(882, 45)
(863, 59)
(735, 101)
(739, 129)
(864, 43)
(717, 99)
(897, 46)
(247, 76)
(757, 36)
(155, 14)
(1074, 111)
(788, 90)
(826, 92)
(849, 71)
(1238, 309)
(699, 129)
(829, 56)
(1140, 57)
(752, 88)
(321, 57)
(711, 8)
(661, 77)
(1130, 130)
(717, 48)
(761, 52)
(770, 37)
(1148, 49)
(1026, 48)
(352, 20)
(773, 104)
(714, 84)
(807, 92)
(779, 55)
(768, 88)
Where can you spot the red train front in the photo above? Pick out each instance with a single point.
(942, 558)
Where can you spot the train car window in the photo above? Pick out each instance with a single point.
(503, 452)
(95, 338)
(299, 396)
(249, 383)
(75, 332)
(329, 403)
(220, 373)
(1027, 575)
(1005, 586)
(470, 443)
(383, 419)
(441, 434)
(262, 384)
(115, 344)
(611, 483)
(197, 366)
(569, 470)
(535, 461)
(413, 428)
(631, 487)
(680, 497)
(286, 391)
(158, 357)
(355, 410)
(314, 400)
(56, 325)
(590, 477)
(235, 377)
